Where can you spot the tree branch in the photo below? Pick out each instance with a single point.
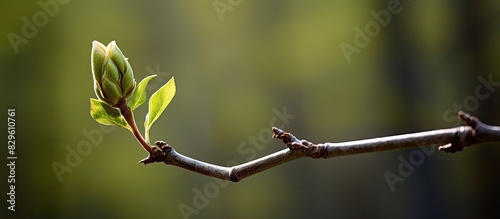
(450, 140)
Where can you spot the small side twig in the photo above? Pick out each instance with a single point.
(450, 140)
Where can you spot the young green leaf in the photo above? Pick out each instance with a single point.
(139, 95)
(106, 115)
(157, 104)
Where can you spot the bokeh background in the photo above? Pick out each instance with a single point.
(232, 69)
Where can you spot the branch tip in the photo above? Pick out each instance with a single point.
(468, 119)
(277, 132)
(284, 136)
(292, 142)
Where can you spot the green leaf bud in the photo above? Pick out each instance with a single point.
(128, 83)
(97, 90)
(112, 73)
(98, 58)
(117, 56)
(111, 91)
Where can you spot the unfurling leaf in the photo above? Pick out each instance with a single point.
(106, 115)
(139, 95)
(157, 104)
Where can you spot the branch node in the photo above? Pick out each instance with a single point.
(465, 136)
(158, 153)
(317, 151)
(232, 175)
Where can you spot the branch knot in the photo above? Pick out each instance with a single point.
(293, 143)
(465, 136)
(158, 153)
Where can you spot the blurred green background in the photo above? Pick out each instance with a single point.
(232, 68)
